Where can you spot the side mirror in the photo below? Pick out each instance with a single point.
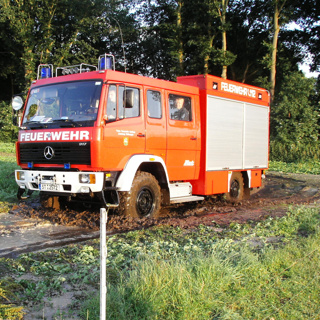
(17, 103)
(128, 98)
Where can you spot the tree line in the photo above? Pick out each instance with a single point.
(259, 42)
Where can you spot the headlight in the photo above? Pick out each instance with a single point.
(87, 178)
(20, 175)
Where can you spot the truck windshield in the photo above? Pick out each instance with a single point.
(72, 102)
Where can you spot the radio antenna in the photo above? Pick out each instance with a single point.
(122, 44)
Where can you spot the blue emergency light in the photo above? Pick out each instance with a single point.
(106, 62)
(46, 73)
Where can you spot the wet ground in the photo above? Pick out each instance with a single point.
(29, 227)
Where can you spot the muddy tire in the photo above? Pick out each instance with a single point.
(144, 198)
(237, 190)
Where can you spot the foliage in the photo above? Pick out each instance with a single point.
(7, 148)
(60, 32)
(258, 275)
(8, 186)
(8, 132)
(294, 121)
(311, 167)
(308, 20)
(8, 310)
(170, 38)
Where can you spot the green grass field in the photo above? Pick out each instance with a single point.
(310, 167)
(267, 270)
(263, 271)
(8, 186)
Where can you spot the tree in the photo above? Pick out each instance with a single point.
(294, 120)
(201, 27)
(161, 40)
(278, 9)
(221, 7)
(307, 18)
(61, 32)
(10, 73)
(280, 13)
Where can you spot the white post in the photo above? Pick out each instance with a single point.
(103, 261)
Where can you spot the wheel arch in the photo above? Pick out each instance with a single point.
(246, 178)
(147, 163)
(244, 190)
(246, 175)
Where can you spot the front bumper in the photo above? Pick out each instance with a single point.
(61, 182)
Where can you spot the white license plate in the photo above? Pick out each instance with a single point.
(49, 187)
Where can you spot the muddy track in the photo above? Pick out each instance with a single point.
(278, 191)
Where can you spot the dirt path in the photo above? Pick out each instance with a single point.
(279, 191)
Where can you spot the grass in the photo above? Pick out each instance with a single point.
(258, 270)
(310, 167)
(8, 186)
(241, 275)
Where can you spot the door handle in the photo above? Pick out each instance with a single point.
(141, 135)
(193, 138)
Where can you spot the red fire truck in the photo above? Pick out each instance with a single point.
(94, 134)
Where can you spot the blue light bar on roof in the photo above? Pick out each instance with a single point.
(106, 62)
(45, 71)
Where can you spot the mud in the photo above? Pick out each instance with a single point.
(272, 199)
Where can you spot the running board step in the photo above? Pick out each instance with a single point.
(186, 199)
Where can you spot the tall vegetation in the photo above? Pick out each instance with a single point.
(250, 41)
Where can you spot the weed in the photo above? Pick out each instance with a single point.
(9, 310)
(221, 278)
(310, 166)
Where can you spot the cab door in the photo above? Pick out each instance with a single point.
(183, 146)
(155, 123)
(124, 130)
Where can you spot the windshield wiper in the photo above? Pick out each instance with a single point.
(35, 125)
(67, 123)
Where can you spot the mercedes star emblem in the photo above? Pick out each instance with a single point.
(48, 153)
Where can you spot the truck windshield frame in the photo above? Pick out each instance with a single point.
(64, 104)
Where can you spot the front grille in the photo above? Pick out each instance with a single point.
(63, 152)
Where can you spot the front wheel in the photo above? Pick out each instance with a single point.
(236, 192)
(144, 198)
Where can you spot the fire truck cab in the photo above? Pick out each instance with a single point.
(96, 134)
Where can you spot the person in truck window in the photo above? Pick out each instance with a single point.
(93, 109)
(112, 103)
(180, 113)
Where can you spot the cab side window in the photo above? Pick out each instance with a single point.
(180, 107)
(129, 102)
(112, 102)
(154, 104)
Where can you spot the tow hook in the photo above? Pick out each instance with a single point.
(20, 193)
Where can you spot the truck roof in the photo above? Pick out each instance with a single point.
(207, 84)
(217, 86)
(111, 76)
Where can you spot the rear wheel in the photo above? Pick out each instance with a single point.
(236, 192)
(144, 198)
